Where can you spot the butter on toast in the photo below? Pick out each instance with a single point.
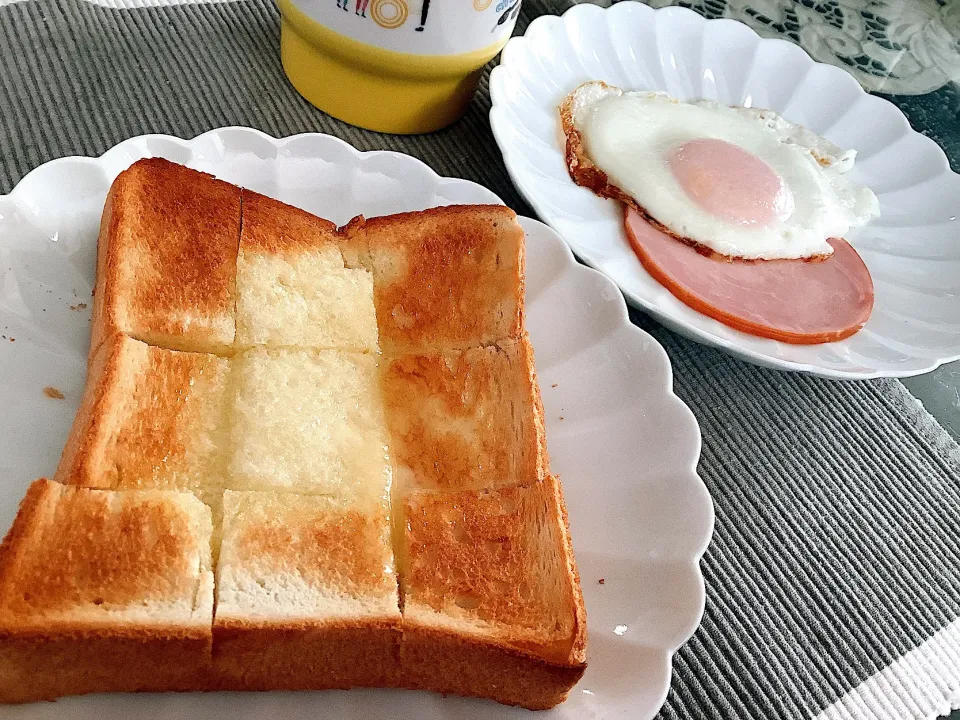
(166, 258)
(306, 592)
(149, 418)
(104, 591)
(462, 419)
(449, 277)
(308, 421)
(293, 288)
(358, 407)
(492, 603)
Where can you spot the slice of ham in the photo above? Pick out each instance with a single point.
(793, 301)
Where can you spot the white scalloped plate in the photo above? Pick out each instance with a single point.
(912, 251)
(624, 445)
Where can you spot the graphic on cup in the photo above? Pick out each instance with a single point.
(401, 66)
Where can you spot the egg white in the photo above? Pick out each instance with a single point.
(628, 136)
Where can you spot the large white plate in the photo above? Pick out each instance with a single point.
(912, 251)
(625, 447)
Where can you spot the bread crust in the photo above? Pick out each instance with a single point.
(445, 662)
(444, 278)
(271, 226)
(306, 654)
(159, 216)
(47, 648)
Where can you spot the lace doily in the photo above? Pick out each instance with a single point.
(902, 47)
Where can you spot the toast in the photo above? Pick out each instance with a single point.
(104, 591)
(492, 603)
(358, 411)
(150, 418)
(306, 593)
(445, 278)
(167, 259)
(293, 288)
(308, 421)
(465, 419)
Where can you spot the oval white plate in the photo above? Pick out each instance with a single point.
(624, 445)
(912, 251)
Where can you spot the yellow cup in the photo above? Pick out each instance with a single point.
(387, 66)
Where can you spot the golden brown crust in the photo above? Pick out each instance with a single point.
(464, 419)
(291, 655)
(447, 662)
(448, 277)
(78, 663)
(166, 258)
(494, 565)
(80, 571)
(149, 418)
(270, 226)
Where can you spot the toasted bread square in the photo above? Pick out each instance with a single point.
(305, 558)
(104, 591)
(450, 277)
(493, 564)
(492, 604)
(306, 592)
(464, 419)
(149, 418)
(308, 421)
(166, 258)
(292, 286)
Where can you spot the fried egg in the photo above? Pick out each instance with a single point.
(742, 182)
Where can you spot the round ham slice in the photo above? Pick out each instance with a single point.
(793, 301)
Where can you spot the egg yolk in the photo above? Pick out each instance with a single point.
(728, 182)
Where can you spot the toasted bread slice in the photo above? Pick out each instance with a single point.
(492, 604)
(292, 286)
(149, 418)
(166, 258)
(465, 419)
(450, 277)
(103, 591)
(461, 580)
(306, 592)
(308, 421)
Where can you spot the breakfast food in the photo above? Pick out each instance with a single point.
(760, 204)
(320, 465)
(167, 259)
(464, 419)
(149, 418)
(104, 591)
(788, 300)
(416, 258)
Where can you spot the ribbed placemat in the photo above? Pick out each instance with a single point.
(833, 580)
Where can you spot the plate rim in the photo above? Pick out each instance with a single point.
(691, 452)
(674, 324)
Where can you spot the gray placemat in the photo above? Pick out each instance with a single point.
(834, 566)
